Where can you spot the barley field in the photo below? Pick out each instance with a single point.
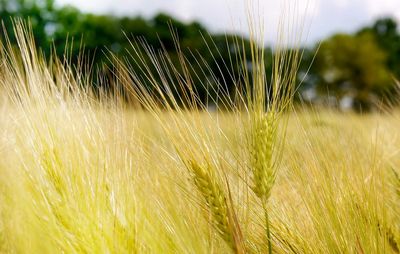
(83, 171)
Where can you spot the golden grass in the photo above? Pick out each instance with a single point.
(83, 174)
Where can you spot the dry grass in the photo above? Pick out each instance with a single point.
(81, 174)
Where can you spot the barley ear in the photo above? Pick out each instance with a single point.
(215, 200)
(262, 139)
(263, 136)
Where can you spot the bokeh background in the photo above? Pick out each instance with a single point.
(351, 47)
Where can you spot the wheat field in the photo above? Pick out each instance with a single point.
(82, 171)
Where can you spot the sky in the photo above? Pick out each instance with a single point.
(322, 17)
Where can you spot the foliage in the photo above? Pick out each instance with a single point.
(353, 66)
(386, 34)
(363, 64)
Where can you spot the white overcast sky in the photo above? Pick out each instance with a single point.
(324, 16)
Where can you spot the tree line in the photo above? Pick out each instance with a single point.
(346, 70)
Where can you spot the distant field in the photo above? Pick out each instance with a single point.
(92, 180)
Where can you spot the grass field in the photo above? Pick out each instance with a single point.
(83, 173)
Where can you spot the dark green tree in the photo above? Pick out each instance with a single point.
(386, 34)
(353, 66)
(40, 13)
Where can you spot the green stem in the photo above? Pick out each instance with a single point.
(268, 233)
(269, 241)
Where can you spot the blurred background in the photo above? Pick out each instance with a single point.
(351, 47)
